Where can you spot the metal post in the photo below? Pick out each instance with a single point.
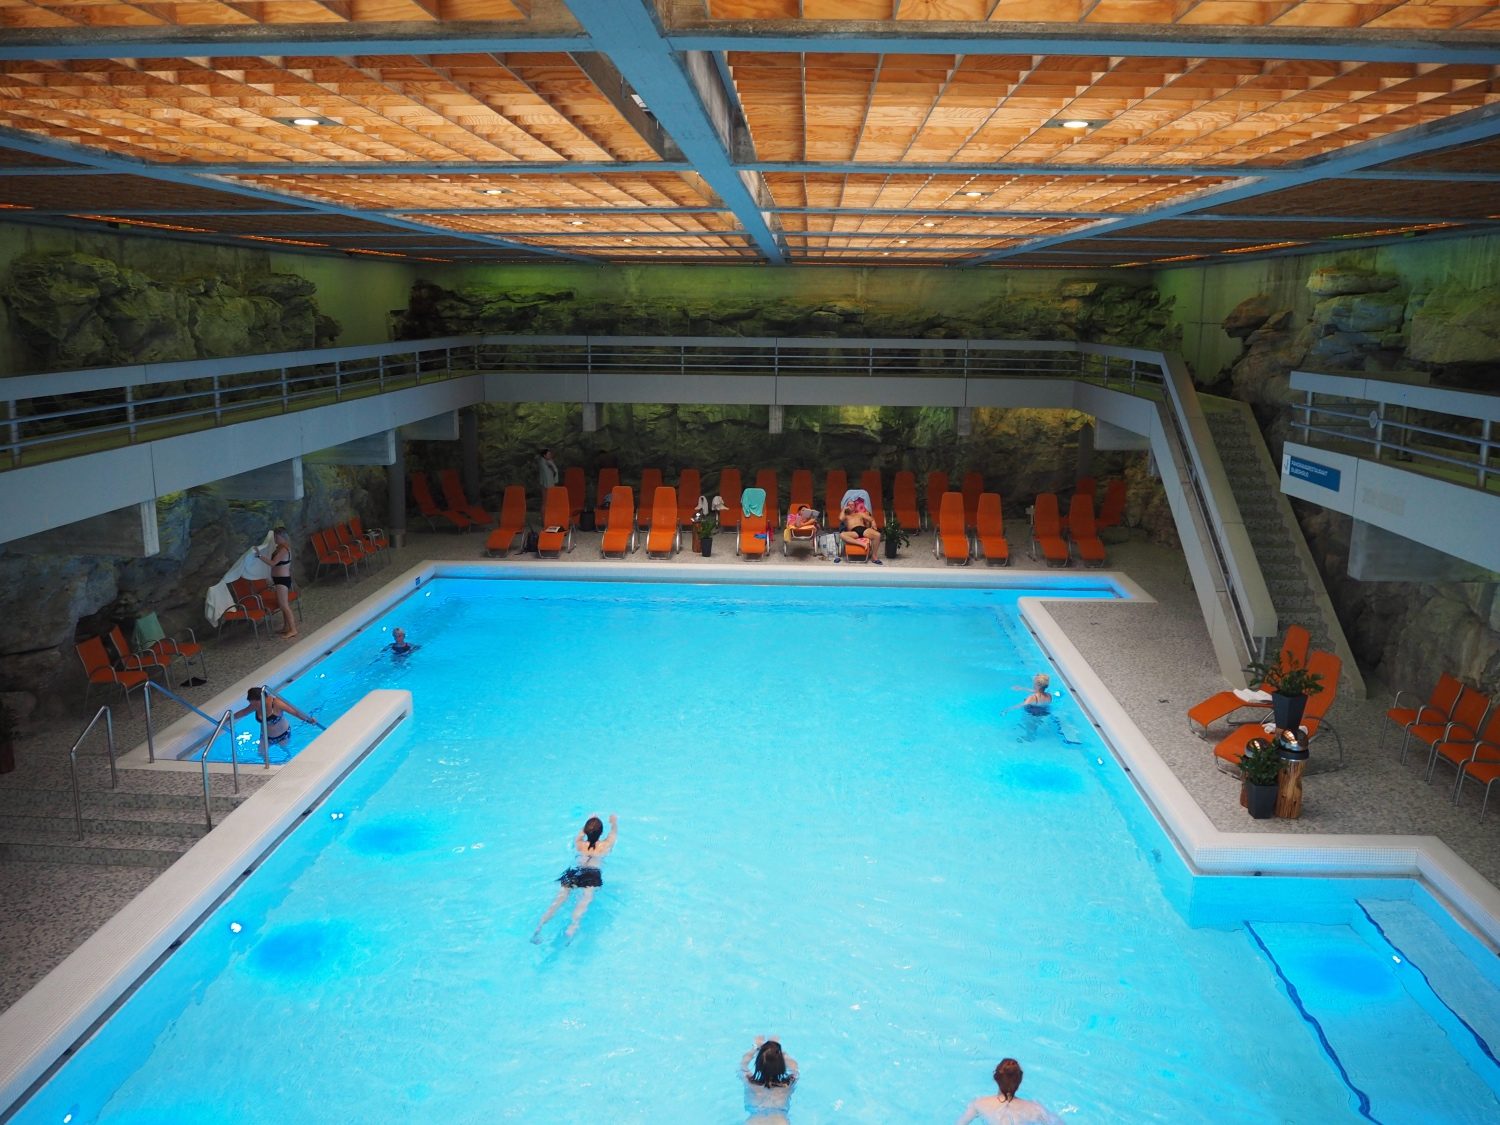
(130, 412)
(338, 380)
(1484, 451)
(395, 492)
(15, 431)
(150, 733)
(285, 392)
(218, 404)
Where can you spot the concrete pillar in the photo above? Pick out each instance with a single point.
(590, 417)
(1085, 452)
(1109, 436)
(395, 479)
(376, 449)
(126, 533)
(963, 421)
(279, 481)
(440, 427)
(468, 426)
(778, 418)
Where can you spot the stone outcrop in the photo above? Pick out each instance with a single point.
(1456, 325)
(76, 310)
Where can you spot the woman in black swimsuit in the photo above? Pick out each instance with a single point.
(583, 876)
(281, 580)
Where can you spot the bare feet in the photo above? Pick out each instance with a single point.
(289, 636)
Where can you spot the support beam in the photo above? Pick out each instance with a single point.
(963, 421)
(376, 449)
(778, 418)
(1378, 555)
(279, 481)
(468, 436)
(395, 488)
(612, 85)
(440, 427)
(590, 417)
(126, 533)
(1111, 437)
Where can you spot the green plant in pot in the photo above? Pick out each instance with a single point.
(705, 527)
(895, 537)
(1260, 765)
(1290, 683)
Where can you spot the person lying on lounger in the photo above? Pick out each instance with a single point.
(857, 526)
(584, 876)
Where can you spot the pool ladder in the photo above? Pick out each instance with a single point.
(226, 720)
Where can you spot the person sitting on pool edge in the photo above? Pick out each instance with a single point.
(1005, 1108)
(1039, 702)
(588, 852)
(769, 1077)
(276, 729)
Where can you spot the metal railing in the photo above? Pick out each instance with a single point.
(114, 774)
(208, 805)
(1436, 430)
(234, 760)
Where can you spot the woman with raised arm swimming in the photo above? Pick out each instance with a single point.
(584, 876)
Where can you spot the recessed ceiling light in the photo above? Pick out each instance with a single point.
(929, 223)
(974, 194)
(575, 222)
(494, 191)
(306, 121)
(902, 241)
(1075, 123)
(661, 251)
(629, 240)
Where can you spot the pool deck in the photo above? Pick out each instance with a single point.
(1155, 658)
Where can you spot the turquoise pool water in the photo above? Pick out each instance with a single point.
(834, 828)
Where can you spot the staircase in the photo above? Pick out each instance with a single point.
(1292, 578)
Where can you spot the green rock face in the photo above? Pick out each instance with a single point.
(1457, 326)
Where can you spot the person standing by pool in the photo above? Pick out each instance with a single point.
(280, 562)
(584, 876)
(1005, 1108)
(547, 472)
(769, 1078)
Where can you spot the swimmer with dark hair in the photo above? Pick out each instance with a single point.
(1039, 702)
(769, 1078)
(1005, 1108)
(584, 876)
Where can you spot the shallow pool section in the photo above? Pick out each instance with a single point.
(835, 826)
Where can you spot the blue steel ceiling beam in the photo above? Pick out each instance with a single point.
(438, 168)
(685, 96)
(1465, 128)
(169, 173)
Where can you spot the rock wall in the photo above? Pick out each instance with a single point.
(47, 602)
(1363, 320)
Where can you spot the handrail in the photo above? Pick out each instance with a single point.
(208, 809)
(114, 775)
(234, 761)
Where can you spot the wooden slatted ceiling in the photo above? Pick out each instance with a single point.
(657, 189)
(933, 226)
(1385, 198)
(1482, 157)
(1052, 194)
(677, 225)
(124, 192)
(1159, 111)
(1424, 15)
(536, 107)
(229, 13)
(1251, 232)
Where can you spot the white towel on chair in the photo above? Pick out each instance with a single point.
(1249, 695)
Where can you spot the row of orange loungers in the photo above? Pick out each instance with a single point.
(1048, 531)
(456, 511)
(348, 545)
(1459, 725)
(952, 543)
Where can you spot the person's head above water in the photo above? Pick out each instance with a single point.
(770, 1065)
(1008, 1078)
(593, 828)
(398, 635)
(253, 695)
(1041, 682)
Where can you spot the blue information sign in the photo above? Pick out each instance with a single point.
(1313, 473)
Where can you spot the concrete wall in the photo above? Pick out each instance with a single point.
(1203, 296)
(358, 291)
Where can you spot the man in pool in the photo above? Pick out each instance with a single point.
(584, 876)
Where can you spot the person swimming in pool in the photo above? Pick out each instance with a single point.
(769, 1077)
(1039, 702)
(1005, 1108)
(584, 876)
(399, 644)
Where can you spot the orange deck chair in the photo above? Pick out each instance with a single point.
(665, 536)
(801, 494)
(990, 532)
(1459, 752)
(951, 541)
(730, 490)
(358, 546)
(98, 669)
(550, 543)
(374, 536)
(1468, 717)
(618, 539)
(1081, 530)
(604, 487)
(247, 607)
(453, 493)
(1484, 764)
(1437, 709)
(512, 521)
(754, 538)
(135, 660)
(1112, 511)
(689, 488)
(1231, 748)
(766, 480)
(572, 480)
(651, 480)
(421, 492)
(834, 486)
(937, 484)
(1046, 531)
(1222, 704)
(904, 502)
(329, 554)
(869, 480)
(973, 485)
(149, 636)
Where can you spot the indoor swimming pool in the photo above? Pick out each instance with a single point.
(837, 826)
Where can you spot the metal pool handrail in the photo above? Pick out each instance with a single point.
(114, 775)
(150, 725)
(227, 717)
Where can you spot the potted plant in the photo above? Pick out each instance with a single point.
(1261, 766)
(895, 537)
(1290, 683)
(705, 527)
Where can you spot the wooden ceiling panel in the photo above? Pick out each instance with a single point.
(676, 226)
(656, 189)
(130, 193)
(229, 13)
(1482, 157)
(983, 193)
(1384, 198)
(929, 228)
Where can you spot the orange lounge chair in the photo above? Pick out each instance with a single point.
(834, 487)
(1437, 709)
(1461, 751)
(374, 536)
(1231, 748)
(1081, 530)
(421, 492)
(869, 480)
(609, 480)
(651, 480)
(799, 536)
(730, 490)
(665, 537)
(801, 490)
(150, 637)
(247, 606)
(512, 521)
(1468, 717)
(99, 669)
(135, 660)
(937, 484)
(331, 554)
(453, 493)
(689, 489)
(343, 535)
(951, 543)
(754, 538)
(1112, 511)
(1222, 704)
(767, 482)
(1046, 531)
(973, 485)
(618, 539)
(904, 502)
(990, 533)
(573, 482)
(556, 535)
(261, 588)
(1484, 763)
